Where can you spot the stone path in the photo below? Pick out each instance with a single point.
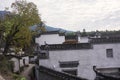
(27, 71)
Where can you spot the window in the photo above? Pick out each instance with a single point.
(71, 71)
(69, 67)
(67, 64)
(109, 53)
(44, 55)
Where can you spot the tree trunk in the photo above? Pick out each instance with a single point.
(7, 45)
(6, 48)
(9, 38)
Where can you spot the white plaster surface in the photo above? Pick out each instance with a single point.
(26, 60)
(50, 39)
(16, 64)
(87, 59)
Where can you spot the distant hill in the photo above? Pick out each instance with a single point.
(49, 28)
(3, 13)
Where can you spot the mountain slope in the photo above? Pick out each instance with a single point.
(49, 28)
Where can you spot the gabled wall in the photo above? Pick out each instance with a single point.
(50, 39)
(83, 39)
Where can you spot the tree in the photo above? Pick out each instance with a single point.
(83, 34)
(17, 32)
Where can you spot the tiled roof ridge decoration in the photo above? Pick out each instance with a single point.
(104, 76)
(58, 74)
(17, 56)
(11, 56)
(75, 45)
(51, 32)
(67, 46)
(105, 40)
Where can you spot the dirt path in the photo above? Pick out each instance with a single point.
(1, 78)
(27, 71)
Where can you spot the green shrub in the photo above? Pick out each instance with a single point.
(6, 66)
(21, 69)
(18, 77)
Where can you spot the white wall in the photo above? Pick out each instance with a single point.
(16, 64)
(26, 60)
(83, 39)
(21, 63)
(32, 59)
(87, 59)
(101, 60)
(50, 39)
(83, 56)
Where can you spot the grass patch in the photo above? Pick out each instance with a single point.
(18, 77)
(6, 66)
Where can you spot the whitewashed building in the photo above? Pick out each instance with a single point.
(19, 62)
(25, 60)
(79, 58)
(16, 64)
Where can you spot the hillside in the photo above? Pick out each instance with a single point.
(50, 28)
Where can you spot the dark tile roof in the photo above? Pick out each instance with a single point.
(105, 40)
(57, 75)
(16, 56)
(106, 76)
(111, 34)
(11, 56)
(71, 37)
(51, 32)
(70, 42)
(67, 46)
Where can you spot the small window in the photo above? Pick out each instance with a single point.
(44, 55)
(109, 53)
(69, 64)
(70, 71)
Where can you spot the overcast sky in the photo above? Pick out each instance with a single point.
(77, 15)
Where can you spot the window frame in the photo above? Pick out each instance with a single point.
(68, 64)
(69, 71)
(109, 53)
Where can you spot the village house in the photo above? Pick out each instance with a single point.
(19, 59)
(78, 54)
(19, 62)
